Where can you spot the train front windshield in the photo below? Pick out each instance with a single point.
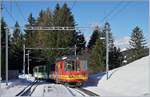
(70, 65)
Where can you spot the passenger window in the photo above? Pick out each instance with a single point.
(40, 69)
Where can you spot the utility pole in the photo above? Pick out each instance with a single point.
(75, 53)
(107, 53)
(6, 37)
(0, 44)
(24, 59)
(107, 27)
(28, 61)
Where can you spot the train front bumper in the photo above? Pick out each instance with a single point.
(74, 78)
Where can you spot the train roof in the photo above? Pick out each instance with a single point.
(66, 58)
(70, 58)
(39, 66)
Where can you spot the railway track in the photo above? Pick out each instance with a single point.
(27, 91)
(70, 91)
(85, 92)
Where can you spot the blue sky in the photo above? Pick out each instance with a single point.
(125, 16)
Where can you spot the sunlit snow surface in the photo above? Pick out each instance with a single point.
(43, 89)
(14, 86)
(129, 80)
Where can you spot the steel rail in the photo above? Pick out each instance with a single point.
(88, 92)
(26, 89)
(83, 94)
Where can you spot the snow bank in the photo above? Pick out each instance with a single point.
(128, 80)
(15, 86)
(27, 77)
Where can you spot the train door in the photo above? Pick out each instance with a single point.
(58, 71)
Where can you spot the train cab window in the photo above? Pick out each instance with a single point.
(77, 65)
(69, 65)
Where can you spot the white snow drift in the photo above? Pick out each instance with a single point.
(128, 80)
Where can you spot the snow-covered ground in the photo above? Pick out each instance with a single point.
(129, 80)
(15, 86)
(41, 88)
(58, 90)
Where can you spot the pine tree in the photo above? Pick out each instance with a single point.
(30, 34)
(137, 43)
(48, 37)
(63, 17)
(60, 17)
(16, 49)
(56, 18)
(95, 35)
(97, 57)
(116, 58)
(80, 43)
(3, 31)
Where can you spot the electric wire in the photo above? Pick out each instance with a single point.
(19, 8)
(73, 5)
(108, 15)
(120, 10)
(9, 14)
(111, 12)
